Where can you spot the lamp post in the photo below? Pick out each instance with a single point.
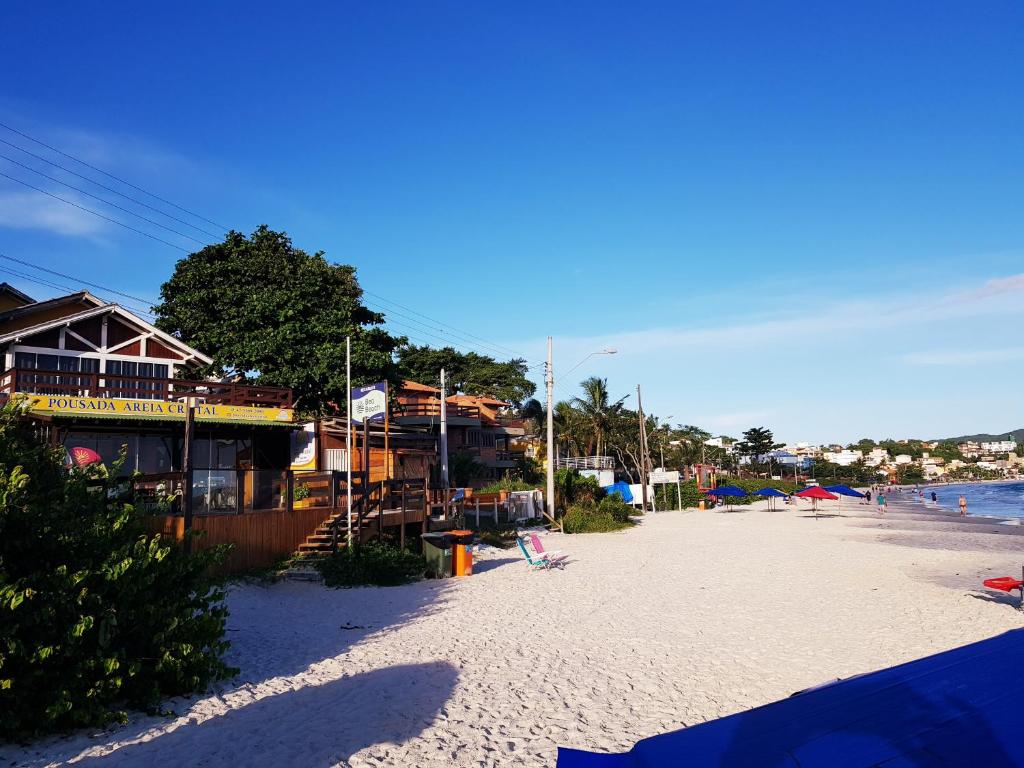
(549, 380)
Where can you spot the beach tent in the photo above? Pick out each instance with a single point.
(772, 494)
(814, 493)
(843, 490)
(959, 707)
(726, 491)
(622, 489)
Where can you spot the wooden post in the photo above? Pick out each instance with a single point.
(478, 514)
(289, 489)
(239, 491)
(186, 466)
(495, 513)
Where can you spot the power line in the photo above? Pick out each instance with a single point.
(77, 280)
(102, 200)
(94, 213)
(437, 333)
(111, 176)
(497, 347)
(57, 286)
(108, 189)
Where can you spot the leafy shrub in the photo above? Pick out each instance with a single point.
(372, 563)
(588, 518)
(301, 492)
(508, 484)
(573, 488)
(755, 484)
(619, 510)
(95, 615)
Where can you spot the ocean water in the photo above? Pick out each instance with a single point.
(989, 499)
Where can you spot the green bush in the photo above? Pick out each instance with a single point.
(95, 615)
(588, 518)
(755, 484)
(573, 488)
(507, 484)
(372, 563)
(619, 510)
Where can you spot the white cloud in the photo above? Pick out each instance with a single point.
(964, 356)
(34, 210)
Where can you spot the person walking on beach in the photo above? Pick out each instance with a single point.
(963, 505)
(881, 503)
(935, 498)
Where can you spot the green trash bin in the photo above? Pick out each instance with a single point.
(437, 549)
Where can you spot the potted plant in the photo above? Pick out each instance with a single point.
(301, 497)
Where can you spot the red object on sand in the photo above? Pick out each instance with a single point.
(815, 492)
(1003, 583)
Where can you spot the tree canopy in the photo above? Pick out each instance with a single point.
(467, 372)
(272, 314)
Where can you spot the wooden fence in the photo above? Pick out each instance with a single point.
(261, 538)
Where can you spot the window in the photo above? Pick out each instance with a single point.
(49, 383)
(137, 379)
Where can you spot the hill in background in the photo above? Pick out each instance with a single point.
(1017, 434)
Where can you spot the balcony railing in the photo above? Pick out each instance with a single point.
(587, 462)
(432, 409)
(106, 385)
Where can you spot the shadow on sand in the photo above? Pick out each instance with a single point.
(489, 565)
(279, 634)
(317, 725)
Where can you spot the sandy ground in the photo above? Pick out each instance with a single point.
(687, 617)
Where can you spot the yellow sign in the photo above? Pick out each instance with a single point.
(156, 409)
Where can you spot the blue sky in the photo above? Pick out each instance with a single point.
(807, 216)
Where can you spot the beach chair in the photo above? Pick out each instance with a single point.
(557, 558)
(536, 562)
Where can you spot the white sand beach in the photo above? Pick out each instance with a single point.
(687, 617)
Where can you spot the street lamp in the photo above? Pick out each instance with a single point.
(550, 382)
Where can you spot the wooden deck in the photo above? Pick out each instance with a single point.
(262, 538)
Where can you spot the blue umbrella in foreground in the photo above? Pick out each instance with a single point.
(726, 491)
(843, 490)
(771, 494)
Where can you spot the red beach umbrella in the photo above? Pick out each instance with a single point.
(814, 493)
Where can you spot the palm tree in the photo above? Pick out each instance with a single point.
(596, 411)
(534, 412)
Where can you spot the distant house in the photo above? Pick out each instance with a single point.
(481, 427)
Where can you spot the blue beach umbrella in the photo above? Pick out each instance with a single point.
(726, 491)
(843, 490)
(771, 494)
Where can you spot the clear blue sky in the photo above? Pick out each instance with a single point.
(807, 216)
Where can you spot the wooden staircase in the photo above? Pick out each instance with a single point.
(372, 506)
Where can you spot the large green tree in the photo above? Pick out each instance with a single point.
(272, 314)
(467, 372)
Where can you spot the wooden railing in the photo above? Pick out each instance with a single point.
(432, 409)
(107, 385)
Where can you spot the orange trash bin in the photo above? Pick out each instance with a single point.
(462, 559)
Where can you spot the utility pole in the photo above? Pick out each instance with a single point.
(549, 380)
(644, 458)
(348, 441)
(444, 437)
(188, 501)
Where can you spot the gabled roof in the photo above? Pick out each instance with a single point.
(10, 290)
(415, 386)
(83, 297)
(103, 309)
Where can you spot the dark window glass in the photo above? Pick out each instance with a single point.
(46, 362)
